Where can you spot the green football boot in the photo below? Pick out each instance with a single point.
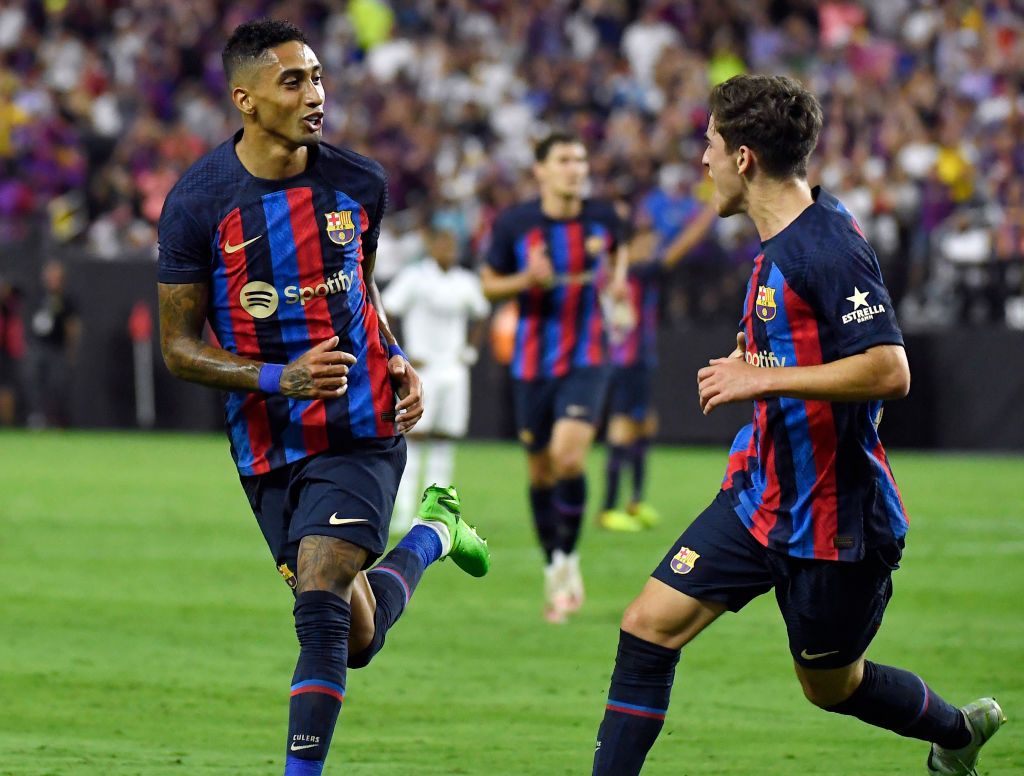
(644, 514)
(468, 550)
(618, 521)
(984, 718)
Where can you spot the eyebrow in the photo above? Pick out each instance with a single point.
(297, 71)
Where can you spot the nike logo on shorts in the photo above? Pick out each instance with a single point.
(335, 520)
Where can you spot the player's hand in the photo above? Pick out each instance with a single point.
(618, 289)
(729, 379)
(539, 271)
(319, 373)
(409, 409)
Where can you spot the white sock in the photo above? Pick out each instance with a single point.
(440, 462)
(410, 489)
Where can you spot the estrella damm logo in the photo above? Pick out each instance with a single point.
(340, 228)
(684, 561)
(764, 306)
(259, 299)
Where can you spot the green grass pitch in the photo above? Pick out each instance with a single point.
(145, 631)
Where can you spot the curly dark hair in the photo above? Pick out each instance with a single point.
(250, 41)
(771, 114)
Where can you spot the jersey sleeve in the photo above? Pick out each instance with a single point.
(501, 256)
(616, 226)
(372, 235)
(852, 300)
(185, 252)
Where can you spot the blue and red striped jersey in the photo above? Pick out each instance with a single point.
(811, 478)
(560, 327)
(639, 347)
(284, 264)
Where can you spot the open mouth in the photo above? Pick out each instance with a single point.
(314, 122)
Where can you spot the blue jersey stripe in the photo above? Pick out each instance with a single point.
(360, 389)
(798, 431)
(291, 317)
(558, 250)
(522, 325)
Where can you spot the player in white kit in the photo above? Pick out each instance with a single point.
(435, 299)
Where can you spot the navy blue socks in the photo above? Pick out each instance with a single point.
(569, 500)
(900, 701)
(617, 455)
(544, 519)
(639, 455)
(322, 622)
(393, 581)
(637, 704)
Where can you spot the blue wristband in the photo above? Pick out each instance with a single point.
(396, 350)
(270, 378)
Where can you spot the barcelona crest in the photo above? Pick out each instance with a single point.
(340, 228)
(765, 304)
(684, 561)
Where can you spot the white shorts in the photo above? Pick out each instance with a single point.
(445, 400)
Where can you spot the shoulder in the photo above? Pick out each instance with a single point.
(523, 215)
(599, 208)
(211, 177)
(351, 165)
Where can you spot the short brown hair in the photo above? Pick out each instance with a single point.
(772, 114)
(543, 148)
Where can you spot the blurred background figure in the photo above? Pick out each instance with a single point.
(12, 351)
(55, 331)
(436, 300)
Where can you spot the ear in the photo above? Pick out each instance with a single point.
(744, 160)
(242, 99)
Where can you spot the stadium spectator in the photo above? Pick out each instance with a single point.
(932, 89)
(55, 331)
(12, 351)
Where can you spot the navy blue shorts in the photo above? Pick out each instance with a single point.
(346, 493)
(578, 395)
(832, 609)
(630, 392)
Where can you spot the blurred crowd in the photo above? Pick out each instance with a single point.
(104, 103)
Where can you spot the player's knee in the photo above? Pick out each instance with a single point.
(827, 691)
(640, 621)
(568, 464)
(330, 564)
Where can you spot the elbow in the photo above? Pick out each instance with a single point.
(898, 383)
(173, 357)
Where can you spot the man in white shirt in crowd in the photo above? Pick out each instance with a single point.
(436, 299)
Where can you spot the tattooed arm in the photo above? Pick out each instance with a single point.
(319, 373)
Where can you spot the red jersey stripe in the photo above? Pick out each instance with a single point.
(531, 344)
(821, 427)
(247, 343)
(571, 304)
(318, 315)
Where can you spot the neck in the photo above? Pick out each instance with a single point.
(560, 207)
(774, 205)
(264, 156)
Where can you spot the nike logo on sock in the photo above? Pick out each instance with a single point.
(295, 748)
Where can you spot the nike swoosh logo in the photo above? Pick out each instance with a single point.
(335, 520)
(807, 656)
(295, 748)
(449, 503)
(229, 248)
